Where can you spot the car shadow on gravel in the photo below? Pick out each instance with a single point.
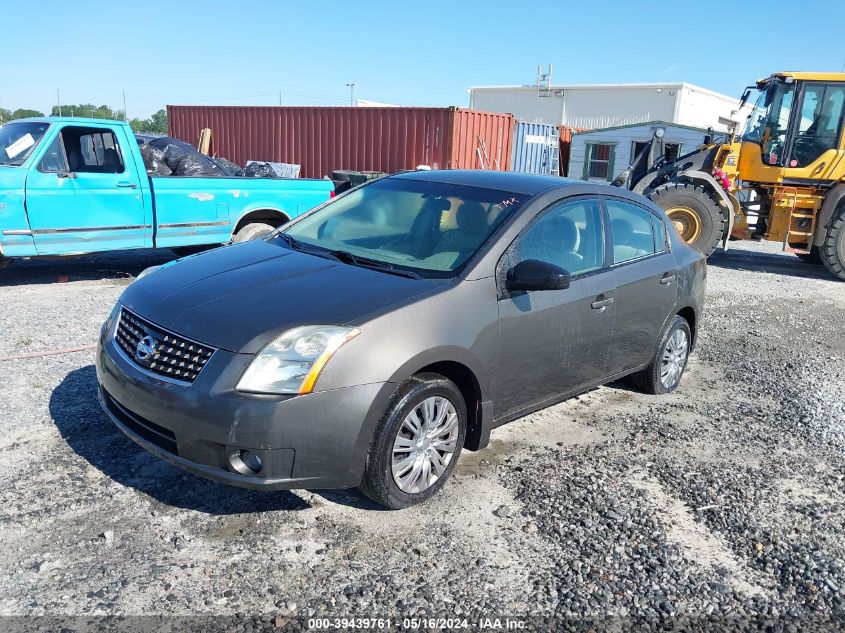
(774, 263)
(118, 265)
(88, 431)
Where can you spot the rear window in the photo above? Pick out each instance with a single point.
(428, 227)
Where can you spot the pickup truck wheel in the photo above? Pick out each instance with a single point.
(832, 250)
(694, 212)
(252, 231)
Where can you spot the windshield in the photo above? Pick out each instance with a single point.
(18, 140)
(428, 228)
(769, 121)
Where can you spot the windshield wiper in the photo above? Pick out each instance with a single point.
(355, 260)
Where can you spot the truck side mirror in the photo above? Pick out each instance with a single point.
(66, 174)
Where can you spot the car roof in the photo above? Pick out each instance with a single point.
(515, 182)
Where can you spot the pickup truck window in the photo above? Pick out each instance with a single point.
(92, 150)
(18, 140)
(54, 160)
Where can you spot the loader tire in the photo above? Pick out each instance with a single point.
(694, 212)
(833, 248)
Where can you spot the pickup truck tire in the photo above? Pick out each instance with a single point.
(252, 231)
(694, 212)
(832, 250)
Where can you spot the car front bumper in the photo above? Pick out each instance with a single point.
(318, 440)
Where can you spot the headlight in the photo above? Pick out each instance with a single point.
(146, 272)
(110, 319)
(292, 363)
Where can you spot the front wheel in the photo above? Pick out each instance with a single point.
(694, 212)
(417, 443)
(666, 368)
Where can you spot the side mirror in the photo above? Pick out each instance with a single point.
(533, 274)
(66, 174)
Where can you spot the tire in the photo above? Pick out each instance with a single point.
(832, 250)
(691, 203)
(252, 231)
(813, 257)
(651, 380)
(378, 482)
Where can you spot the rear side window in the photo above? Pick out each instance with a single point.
(568, 235)
(632, 231)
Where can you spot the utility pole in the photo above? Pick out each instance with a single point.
(59, 101)
(351, 87)
(280, 97)
(125, 116)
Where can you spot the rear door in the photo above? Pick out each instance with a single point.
(646, 282)
(554, 341)
(85, 194)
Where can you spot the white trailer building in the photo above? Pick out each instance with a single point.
(607, 105)
(601, 155)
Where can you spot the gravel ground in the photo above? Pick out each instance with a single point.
(719, 506)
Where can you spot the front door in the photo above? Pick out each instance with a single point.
(82, 197)
(554, 341)
(646, 283)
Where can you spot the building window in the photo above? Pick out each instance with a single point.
(599, 163)
(671, 151)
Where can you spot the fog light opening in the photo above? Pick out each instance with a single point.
(246, 462)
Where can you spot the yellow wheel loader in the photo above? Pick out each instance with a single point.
(781, 179)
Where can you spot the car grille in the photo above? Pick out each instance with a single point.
(171, 356)
(158, 435)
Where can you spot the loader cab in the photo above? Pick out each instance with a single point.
(794, 132)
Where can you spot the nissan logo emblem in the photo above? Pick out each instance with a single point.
(146, 348)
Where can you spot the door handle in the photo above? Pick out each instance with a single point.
(601, 303)
(667, 278)
(126, 183)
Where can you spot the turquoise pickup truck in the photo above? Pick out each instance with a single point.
(73, 185)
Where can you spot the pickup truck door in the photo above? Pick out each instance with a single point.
(85, 193)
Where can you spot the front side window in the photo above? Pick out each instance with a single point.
(426, 227)
(819, 122)
(769, 121)
(568, 235)
(600, 160)
(19, 140)
(632, 231)
(54, 159)
(92, 150)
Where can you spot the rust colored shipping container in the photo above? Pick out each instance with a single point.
(322, 139)
(566, 147)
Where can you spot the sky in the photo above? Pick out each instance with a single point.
(407, 53)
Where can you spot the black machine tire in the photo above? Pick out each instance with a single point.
(813, 257)
(694, 198)
(832, 250)
(649, 380)
(378, 482)
(252, 231)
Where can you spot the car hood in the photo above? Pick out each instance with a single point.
(241, 297)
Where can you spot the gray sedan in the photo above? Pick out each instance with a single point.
(369, 341)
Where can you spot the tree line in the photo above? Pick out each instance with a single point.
(156, 124)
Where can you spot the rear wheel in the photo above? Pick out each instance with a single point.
(695, 214)
(252, 231)
(666, 368)
(832, 250)
(417, 443)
